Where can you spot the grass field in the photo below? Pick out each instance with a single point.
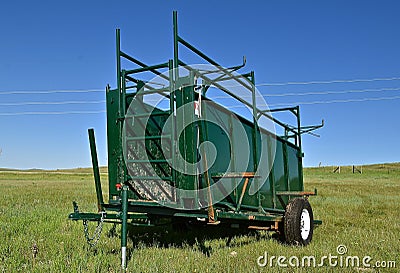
(359, 211)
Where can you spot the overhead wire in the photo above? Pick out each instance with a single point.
(259, 84)
(333, 92)
(323, 102)
(330, 92)
(50, 103)
(232, 106)
(328, 82)
(339, 101)
(34, 92)
(52, 113)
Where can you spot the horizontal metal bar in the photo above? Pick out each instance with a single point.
(151, 91)
(145, 203)
(106, 216)
(222, 78)
(248, 216)
(143, 115)
(131, 79)
(280, 109)
(126, 56)
(296, 193)
(147, 137)
(150, 177)
(280, 123)
(146, 68)
(191, 215)
(147, 161)
(257, 208)
(235, 175)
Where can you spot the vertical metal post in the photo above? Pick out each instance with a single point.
(271, 177)
(118, 53)
(300, 156)
(123, 93)
(254, 135)
(124, 229)
(298, 127)
(96, 173)
(120, 113)
(172, 115)
(176, 44)
(232, 154)
(179, 99)
(286, 165)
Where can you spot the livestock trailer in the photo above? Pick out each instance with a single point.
(197, 144)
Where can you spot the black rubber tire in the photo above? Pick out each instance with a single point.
(293, 222)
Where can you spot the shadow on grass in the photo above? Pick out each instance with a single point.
(183, 235)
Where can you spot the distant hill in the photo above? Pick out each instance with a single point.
(75, 170)
(104, 169)
(372, 168)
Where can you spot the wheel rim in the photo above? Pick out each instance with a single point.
(305, 224)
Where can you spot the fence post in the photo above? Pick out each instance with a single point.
(337, 169)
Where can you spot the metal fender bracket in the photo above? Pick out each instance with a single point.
(296, 193)
(305, 194)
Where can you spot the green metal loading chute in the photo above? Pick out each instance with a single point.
(135, 190)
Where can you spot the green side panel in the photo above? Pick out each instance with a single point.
(228, 138)
(250, 200)
(266, 191)
(296, 182)
(220, 139)
(230, 148)
(112, 141)
(219, 135)
(280, 181)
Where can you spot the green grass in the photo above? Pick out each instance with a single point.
(360, 211)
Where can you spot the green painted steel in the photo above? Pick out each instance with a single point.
(157, 166)
(124, 229)
(149, 164)
(96, 172)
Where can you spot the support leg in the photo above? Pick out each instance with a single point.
(124, 230)
(246, 181)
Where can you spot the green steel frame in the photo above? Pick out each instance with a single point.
(264, 210)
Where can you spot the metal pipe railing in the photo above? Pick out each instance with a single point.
(227, 75)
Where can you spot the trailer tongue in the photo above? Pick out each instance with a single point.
(197, 144)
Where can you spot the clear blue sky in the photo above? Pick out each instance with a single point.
(70, 45)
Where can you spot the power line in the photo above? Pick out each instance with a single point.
(31, 92)
(332, 92)
(50, 103)
(232, 106)
(259, 84)
(315, 93)
(322, 102)
(329, 82)
(52, 113)
(339, 101)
